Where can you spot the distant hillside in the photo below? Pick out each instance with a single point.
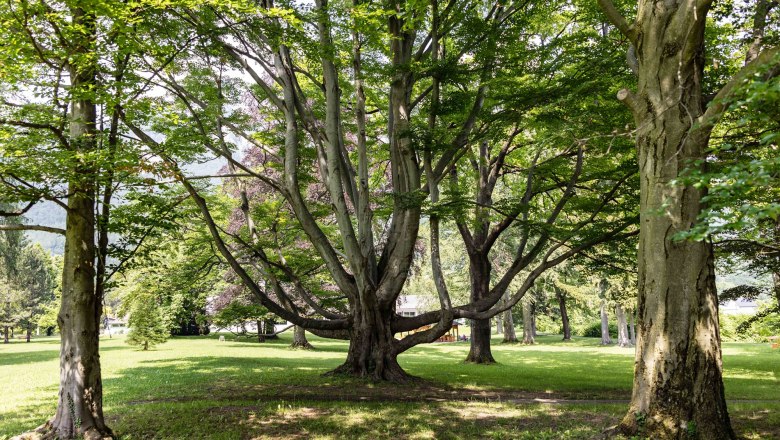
(49, 214)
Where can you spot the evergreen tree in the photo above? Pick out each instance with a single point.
(147, 325)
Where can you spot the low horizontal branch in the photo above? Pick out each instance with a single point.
(32, 228)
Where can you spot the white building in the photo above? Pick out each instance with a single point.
(114, 326)
(738, 307)
(408, 305)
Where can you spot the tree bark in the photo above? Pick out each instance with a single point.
(631, 329)
(564, 315)
(5, 335)
(678, 387)
(480, 352)
(528, 321)
(499, 324)
(299, 339)
(371, 352)
(623, 340)
(260, 331)
(80, 405)
(29, 332)
(269, 328)
(479, 271)
(605, 339)
(510, 335)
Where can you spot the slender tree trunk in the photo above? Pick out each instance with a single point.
(678, 387)
(510, 336)
(605, 339)
(270, 329)
(299, 339)
(623, 340)
(29, 331)
(5, 333)
(260, 331)
(533, 320)
(564, 316)
(528, 328)
(631, 329)
(776, 279)
(80, 405)
(776, 274)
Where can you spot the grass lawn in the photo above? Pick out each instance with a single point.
(202, 388)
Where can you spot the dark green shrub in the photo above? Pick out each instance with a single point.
(594, 330)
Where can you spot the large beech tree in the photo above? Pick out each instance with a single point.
(678, 386)
(523, 177)
(335, 96)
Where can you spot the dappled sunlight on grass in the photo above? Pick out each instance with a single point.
(199, 387)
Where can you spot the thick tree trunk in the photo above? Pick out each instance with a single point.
(528, 324)
(479, 271)
(564, 316)
(631, 329)
(80, 405)
(299, 339)
(678, 388)
(623, 340)
(499, 324)
(371, 352)
(480, 352)
(605, 339)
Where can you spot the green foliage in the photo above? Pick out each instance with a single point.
(752, 328)
(175, 267)
(546, 324)
(146, 322)
(238, 314)
(35, 281)
(593, 330)
(27, 280)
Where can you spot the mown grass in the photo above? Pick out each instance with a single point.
(202, 388)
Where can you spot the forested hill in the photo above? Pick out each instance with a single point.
(47, 214)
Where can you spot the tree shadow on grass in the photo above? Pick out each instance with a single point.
(29, 357)
(387, 420)
(287, 397)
